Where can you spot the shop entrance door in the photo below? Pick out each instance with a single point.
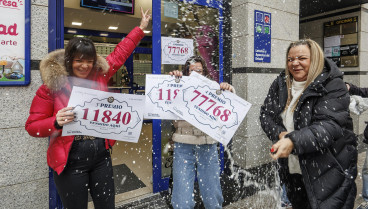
(202, 21)
(132, 162)
(199, 20)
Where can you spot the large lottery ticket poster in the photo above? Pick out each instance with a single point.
(161, 92)
(202, 104)
(14, 42)
(106, 115)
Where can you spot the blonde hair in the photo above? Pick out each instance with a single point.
(315, 68)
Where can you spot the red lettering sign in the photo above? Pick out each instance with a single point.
(8, 30)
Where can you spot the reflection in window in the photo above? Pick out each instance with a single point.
(199, 23)
(195, 22)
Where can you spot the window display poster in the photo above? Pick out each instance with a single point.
(331, 41)
(171, 9)
(176, 51)
(262, 36)
(328, 51)
(349, 61)
(341, 41)
(349, 50)
(336, 51)
(14, 42)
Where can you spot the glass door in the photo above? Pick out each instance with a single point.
(200, 21)
(132, 162)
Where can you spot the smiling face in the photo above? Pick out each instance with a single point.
(299, 62)
(82, 67)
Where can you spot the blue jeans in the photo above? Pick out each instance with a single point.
(365, 178)
(190, 160)
(284, 197)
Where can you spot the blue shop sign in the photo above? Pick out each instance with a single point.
(262, 36)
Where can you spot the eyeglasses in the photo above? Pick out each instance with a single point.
(196, 70)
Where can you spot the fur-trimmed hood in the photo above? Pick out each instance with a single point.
(53, 71)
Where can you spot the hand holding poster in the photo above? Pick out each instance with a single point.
(161, 91)
(218, 115)
(106, 115)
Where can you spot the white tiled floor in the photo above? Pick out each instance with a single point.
(138, 157)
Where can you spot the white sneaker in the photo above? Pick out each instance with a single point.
(285, 205)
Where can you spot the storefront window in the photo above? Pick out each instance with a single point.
(188, 21)
(142, 65)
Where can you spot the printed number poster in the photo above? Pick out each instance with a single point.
(218, 115)
(161, 91)
(106, 115)
(176, 50)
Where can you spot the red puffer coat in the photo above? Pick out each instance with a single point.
(54, 94)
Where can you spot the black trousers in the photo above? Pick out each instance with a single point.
(296, 192)
(89, 168)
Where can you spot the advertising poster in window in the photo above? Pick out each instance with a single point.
(262, 36)
(341, 42)
(14, 42)
(176, 51)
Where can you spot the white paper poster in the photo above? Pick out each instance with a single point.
(176, 50)
(328, 51)
(218, 115)
(331, 41)
(171, 9)
(161, 91)
(106, 115)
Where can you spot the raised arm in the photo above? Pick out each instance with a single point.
(125, 48)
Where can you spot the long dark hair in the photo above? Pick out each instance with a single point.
(192, 60)
(82, 47)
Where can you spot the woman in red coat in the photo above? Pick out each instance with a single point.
(80, 163)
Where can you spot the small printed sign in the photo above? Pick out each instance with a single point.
(328, 51)
(262, 36)
(336, 51)
(171, 9)
(349, 50)
(107, 115)
(176, 50)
